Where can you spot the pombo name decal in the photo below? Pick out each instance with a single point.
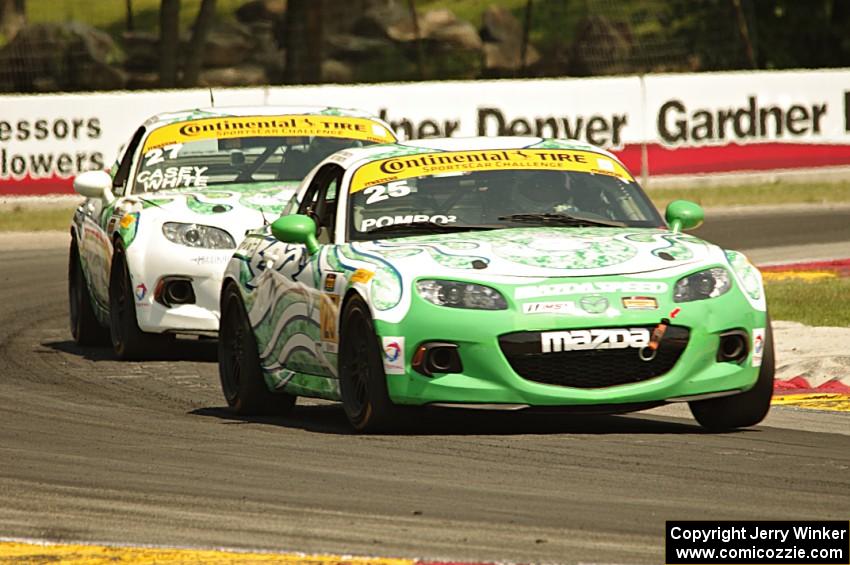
(574, 340)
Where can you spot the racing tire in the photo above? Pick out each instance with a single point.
(129, 342)
(85, 327)
(362, 381)
(745, 409)
(242, 381)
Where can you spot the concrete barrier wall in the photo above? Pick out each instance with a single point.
(659, 125)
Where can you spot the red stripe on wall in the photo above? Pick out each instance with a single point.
(662, 161)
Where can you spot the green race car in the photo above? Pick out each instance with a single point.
(491, 273)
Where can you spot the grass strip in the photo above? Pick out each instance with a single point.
(754, 194)
(819, 302)
(41, 218)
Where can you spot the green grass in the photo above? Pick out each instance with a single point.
(755, 194)
(42, 218)
(824, 302)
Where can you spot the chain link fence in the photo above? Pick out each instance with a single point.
(77, 45)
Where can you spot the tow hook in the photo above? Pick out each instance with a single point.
(649, 352)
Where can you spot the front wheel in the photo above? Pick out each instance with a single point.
(745, 409)
(362, 381)
(128, 341)
(239, 369)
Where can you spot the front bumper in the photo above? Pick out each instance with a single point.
(487, 376)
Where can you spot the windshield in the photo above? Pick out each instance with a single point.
(458, 201)
(201, 153)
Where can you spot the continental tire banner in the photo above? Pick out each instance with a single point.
(659, 125)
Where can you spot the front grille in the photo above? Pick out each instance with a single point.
(591, 368)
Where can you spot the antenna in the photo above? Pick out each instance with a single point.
(212, 98)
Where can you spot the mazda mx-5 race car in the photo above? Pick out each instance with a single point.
(497, 273)
(150, 242)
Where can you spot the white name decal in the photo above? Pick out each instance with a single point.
(573, 340)
(382, 221)
(590, 288)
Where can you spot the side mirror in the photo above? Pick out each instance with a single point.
(94, 184)
(296, 228)
(684, 215)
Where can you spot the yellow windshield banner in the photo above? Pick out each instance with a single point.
(429, 164)
(269, 126)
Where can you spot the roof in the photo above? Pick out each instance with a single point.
(165, 118)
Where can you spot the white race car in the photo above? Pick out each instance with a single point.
(151, 241)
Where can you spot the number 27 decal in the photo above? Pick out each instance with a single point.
(380, 192)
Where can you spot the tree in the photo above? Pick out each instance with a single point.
(13, 16)
(195, 55)
(303, 41)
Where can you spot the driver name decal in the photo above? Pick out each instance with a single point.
(410, 166)
(268, 126)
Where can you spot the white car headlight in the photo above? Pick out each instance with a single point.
(461, 295)
(197, 235)
(709, 283)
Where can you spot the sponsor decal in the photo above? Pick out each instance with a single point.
(328, 311)
(758, 346)
(641, 303)
(648, 287)
(383, 221)
(330, 282)
(127, 220)
(409, 166)
(550, 308)
(268, 126)
(210, 259)
(575, 340)
(141, 291)
(593, 304)
(362, 276)
(393, 355)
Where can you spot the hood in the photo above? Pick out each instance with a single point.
(268, 198)
(541, 252)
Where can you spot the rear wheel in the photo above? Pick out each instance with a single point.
(362, 381)
(239, 369)
(128, 341)
(745, 409)
(85, 328)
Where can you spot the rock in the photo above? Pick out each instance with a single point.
(141, 80)
(336, 72)
(243, 75)
(391, 21)
(261, 10)
(354, 48)
(506, 56)
(142, 49)
(61, 56)
(444, 27)
(227, 45)
(601, 47)
(501, 26)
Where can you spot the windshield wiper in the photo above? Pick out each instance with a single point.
(562, 220)
(429, 227)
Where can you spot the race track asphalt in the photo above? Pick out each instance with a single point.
(97, 450)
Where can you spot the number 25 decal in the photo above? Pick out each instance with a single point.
(380, 192)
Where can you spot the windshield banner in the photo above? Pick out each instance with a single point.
(397, 168)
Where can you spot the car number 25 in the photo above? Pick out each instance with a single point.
(380, 192)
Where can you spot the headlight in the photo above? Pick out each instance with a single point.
(461, 295)
(704, 284)
(196, 235)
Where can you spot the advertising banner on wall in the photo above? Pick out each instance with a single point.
(657, 124)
